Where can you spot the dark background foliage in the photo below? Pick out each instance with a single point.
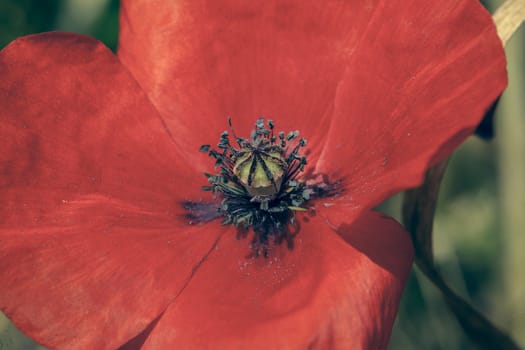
(480, 223)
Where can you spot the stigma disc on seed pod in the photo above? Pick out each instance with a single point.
(260, 173)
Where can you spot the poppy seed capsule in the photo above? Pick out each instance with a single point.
(260, 172)
(258, 182)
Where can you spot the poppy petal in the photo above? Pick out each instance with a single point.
(93, 242)
(332, 291)
(377, 77)
(202, 61)
(410, 99)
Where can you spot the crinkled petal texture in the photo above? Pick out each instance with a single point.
(96, 253)
(381, 89)
(332, 291)
(92, 242)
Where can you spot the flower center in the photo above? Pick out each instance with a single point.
(258, 181)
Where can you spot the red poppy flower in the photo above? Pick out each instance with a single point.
(95, 249)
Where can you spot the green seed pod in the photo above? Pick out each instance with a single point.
(260, 171)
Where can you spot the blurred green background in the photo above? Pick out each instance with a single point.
(479, 233)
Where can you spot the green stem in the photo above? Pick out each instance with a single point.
(511, 171)
(418, 215)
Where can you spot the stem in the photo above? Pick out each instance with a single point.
(511, 171)
(508, 17)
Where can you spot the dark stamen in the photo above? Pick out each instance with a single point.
(266, 205)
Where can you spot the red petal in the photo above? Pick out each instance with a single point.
(93, 245)
(203, 61)
(329, 292)
(420, 86)
(392, 83)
